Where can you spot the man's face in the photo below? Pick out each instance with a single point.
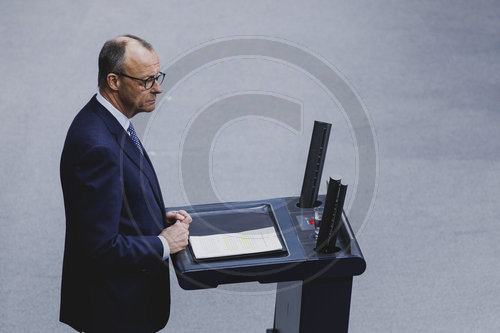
(140, 63)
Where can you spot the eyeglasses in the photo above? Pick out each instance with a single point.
(149, 82)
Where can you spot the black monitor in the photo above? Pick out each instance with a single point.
(332, 214)
(314, 166)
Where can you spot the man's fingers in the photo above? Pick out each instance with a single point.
(180, 215)
(183, 225)
(186, 218)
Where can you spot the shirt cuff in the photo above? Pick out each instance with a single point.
(166, 248)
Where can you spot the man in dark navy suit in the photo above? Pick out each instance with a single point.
(118, 233)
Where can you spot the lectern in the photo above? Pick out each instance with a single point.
(313, 287)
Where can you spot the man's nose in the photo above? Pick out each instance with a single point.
(156, 88)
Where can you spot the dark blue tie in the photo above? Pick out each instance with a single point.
(134, 137)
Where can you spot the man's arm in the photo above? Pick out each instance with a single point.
(95, 205)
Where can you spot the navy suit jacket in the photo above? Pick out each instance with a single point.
(114, 279)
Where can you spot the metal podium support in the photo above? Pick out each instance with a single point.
(313, 306)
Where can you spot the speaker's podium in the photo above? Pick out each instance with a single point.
(313, 266)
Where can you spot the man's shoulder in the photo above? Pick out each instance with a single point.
(91, 127)
(91, 115)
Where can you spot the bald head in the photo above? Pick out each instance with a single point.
(115, 52)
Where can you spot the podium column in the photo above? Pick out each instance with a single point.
(313, 306)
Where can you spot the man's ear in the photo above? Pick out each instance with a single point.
(113, 81)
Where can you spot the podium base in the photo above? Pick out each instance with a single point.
(313, 306)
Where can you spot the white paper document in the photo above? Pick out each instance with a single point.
(245, 242)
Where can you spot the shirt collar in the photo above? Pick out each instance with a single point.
(120, 117)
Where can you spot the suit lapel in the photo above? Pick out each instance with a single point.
(162, 205)
(128, 147)
(143, 163)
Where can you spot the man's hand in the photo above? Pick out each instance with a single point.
(178, 231)
(176, 236)
(178, 216)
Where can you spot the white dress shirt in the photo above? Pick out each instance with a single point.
(125, 122)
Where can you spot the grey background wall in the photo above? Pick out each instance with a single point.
(427, 72)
